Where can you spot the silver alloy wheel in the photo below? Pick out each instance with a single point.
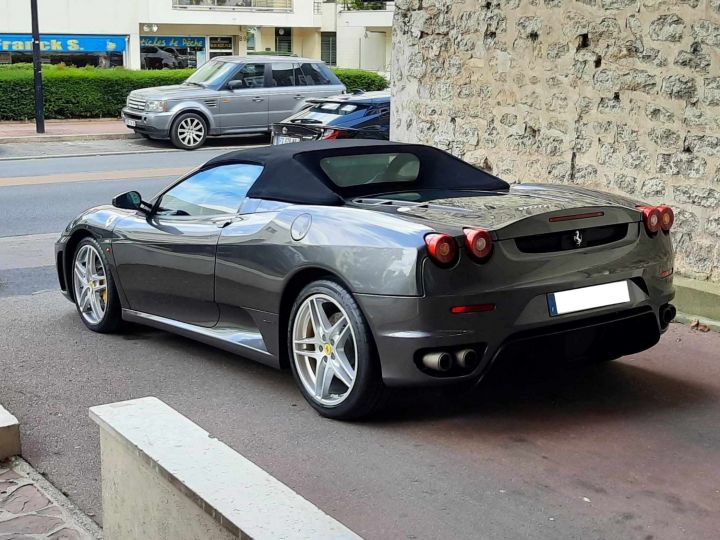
(190, 131)
(90, 284)
(324, 350)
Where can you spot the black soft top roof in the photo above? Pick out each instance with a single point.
(292, 172)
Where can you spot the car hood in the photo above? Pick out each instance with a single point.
(173, 91)
(500, 210)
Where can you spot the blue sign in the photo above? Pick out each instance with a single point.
(177, 42)
(62, 43)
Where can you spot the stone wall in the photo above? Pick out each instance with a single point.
(618, 95)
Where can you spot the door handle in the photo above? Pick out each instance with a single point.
(299, 96)
(258, 99)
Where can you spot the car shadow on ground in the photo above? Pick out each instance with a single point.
(211, 142)
(523, 391)
(518, 390)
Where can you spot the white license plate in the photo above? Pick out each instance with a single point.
(282, 139)
(129, 122)
(607, 294)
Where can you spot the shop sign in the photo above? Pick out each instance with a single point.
(177, 42)
(62, 43)
(223, 43)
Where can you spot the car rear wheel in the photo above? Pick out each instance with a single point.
(94, 290)
(332, 353)
(189, 131)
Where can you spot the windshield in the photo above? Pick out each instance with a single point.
(211, 73)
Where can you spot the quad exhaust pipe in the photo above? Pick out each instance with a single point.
(667, 314)
(438, 361)
(466, 359)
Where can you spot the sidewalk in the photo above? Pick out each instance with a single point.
(65, 130)
(31, 509)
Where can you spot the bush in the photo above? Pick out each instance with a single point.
(91, 92)
(76, 92)
(357, 78)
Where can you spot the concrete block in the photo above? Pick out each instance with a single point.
(698, 299)
(9, 434)
(165, 477)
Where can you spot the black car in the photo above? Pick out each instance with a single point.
(360, 115)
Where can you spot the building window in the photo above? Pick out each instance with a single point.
(328, 48)
(283, 41)
(171, 52)
(73, 50)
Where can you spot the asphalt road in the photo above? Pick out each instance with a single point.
(629, 449)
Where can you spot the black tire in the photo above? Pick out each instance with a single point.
(181, 122)
(367, 393)
(111, 321)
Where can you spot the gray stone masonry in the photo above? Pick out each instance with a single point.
(616, 95)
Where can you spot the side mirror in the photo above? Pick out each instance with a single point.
(234, 85)
(130, 200)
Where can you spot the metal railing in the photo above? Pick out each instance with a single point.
(235, 5)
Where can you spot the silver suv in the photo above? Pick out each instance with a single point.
(229, 95)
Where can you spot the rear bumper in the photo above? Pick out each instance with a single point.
(405, 328)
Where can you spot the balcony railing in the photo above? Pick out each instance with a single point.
(235, 5)
(351, 5)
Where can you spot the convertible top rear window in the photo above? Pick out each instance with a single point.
(362, 169)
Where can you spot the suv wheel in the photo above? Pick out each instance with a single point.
(189, 131)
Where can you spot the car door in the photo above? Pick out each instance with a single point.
(247, 106)
(166, 259)
(285, 95)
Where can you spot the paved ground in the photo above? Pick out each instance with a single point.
(95, 126)
(625, 450)
(30, 509)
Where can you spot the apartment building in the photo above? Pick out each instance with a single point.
(167, 34)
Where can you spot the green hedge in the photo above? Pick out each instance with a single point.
(357, 78)
(100, 93)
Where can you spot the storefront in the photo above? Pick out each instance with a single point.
(76, 50)
(220, 46)
(172, 52)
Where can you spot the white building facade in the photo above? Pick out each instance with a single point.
(166, 34)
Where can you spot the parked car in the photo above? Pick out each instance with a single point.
(360, 115)
(362, 265)
(228, 95)
(156, 58)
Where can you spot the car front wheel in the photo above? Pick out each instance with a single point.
(332, 353)
(189, 131)
(94, 290)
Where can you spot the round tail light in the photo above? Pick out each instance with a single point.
(667, 217)
(652, 218)
(441, 248)
(478, 242)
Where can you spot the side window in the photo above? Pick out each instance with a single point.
(314, 75)
(219, 190)
(251, 75)
(283, 74)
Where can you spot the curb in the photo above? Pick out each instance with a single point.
(687, 320)
(9, 434)
(68, 138)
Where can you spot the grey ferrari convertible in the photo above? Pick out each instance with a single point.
(363, 265)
